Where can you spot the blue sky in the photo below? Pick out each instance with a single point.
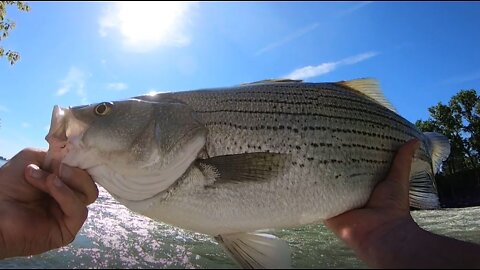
(77, 52)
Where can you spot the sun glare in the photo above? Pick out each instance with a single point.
(146, 25)
(152, 93)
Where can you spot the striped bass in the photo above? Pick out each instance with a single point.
(228, 162)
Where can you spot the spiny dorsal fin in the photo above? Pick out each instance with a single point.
(369, 87)
(274, 81)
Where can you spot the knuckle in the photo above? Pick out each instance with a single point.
(69, 239)
(50, 179)
(84, 214)
(26, 152)
(92, 195)
(30, 153)
(95, 194)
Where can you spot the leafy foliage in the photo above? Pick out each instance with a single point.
(460, 122)
(6, 25)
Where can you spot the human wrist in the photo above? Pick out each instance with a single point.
(389, 242)
(3, 248)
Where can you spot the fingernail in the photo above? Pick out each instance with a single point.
(35, 171)
(57, 182)
(65, 171)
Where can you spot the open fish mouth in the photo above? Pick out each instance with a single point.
(65, 133)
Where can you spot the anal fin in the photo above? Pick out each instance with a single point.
(256, 250)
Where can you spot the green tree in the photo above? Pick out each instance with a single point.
(459, 121)
(7, 25)
(466, 106)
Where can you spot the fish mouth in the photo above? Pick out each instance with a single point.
(65, 133)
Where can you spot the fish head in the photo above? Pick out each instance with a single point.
(133, 148)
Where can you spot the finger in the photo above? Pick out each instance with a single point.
(54, 167)
(74, 211)
(80, 181)
(31, 155)
(395, 188)
(38, 178)
(400, 169)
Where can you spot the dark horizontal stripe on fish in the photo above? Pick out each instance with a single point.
(296, 130)
(356, 145)
(333, 91)
(359, 174)
(346, 95)
(361, 120)
(289, 92)
(379, 113)
(354, 160)
(338, 161)
(318, 161)
(366, 133)
(353, 145)
(294, 88)
(303, 93)
(382, 115)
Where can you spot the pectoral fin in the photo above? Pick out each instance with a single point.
(255, 251)
(244, 167)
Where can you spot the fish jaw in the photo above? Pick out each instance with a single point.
(65, 134)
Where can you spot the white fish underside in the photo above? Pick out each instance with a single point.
(339, 144)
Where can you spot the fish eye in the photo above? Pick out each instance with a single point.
(103, 108)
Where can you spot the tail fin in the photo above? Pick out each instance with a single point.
(440, 149)
(423, 192)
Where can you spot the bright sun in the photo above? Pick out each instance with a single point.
(146, 25)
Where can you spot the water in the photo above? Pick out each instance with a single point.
(114, 237)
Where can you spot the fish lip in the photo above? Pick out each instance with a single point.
(55, 137)
(64, 125)
(60, 137)
(57, 124)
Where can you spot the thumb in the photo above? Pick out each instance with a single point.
(394, 190)
(400, 169)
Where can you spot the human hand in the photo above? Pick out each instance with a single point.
(38, 210)
(387, 210)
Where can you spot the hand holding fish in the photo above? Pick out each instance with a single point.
(38, 211)
(384, 235)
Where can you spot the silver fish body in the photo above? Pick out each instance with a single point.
(339, 144)
(265, 155)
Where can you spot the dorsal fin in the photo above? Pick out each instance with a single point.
(274, 81)
(369, 87)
